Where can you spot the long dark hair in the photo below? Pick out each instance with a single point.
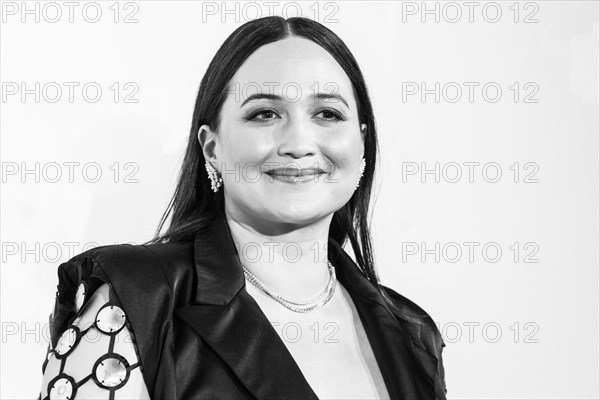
(194, 204)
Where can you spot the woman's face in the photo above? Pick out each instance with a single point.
(290, 106)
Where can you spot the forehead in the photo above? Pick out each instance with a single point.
(292, 63)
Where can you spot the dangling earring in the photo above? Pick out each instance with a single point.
(215, 180)
(362, 170)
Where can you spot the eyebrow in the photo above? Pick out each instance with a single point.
(274, 97)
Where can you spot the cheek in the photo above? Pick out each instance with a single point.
(242, 155)
(344, 153)
(240, 146)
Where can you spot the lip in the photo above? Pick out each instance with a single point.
(294, 172)
(295, 175)
(295, 178)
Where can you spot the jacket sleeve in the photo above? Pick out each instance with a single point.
(95, 356)
(424, 334)
(78, 280)
(138, 285)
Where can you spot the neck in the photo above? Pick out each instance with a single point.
(291, 260)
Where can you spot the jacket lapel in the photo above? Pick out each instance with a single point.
(403, 372)
(245, 340)
(230, 321)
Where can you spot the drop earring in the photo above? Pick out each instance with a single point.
(362, 170)
(215, 179)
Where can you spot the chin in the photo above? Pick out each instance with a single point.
(297, 215)
(302, 207)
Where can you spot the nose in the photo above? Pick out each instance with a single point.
(296, 138)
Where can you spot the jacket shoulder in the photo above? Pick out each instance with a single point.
(132, 266)
(422, 331)
(413, 315)
(134, 271)
(408, 309)
(161, 260)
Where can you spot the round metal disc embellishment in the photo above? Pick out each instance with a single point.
(67, 342)
(80, 296)
(110, 319)
(62, 388)
(111, 371)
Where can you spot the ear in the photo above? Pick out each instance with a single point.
(363, 133)
(208, 142)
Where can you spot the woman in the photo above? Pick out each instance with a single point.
(229, 302)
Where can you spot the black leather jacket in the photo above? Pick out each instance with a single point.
(200, 335)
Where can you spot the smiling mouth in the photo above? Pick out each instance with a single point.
(294, 172)
(295, 176)
(303, 175)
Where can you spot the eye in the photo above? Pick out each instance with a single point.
(268, 114)
(331, 115)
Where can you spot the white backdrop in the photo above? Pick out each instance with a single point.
(488, 125)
